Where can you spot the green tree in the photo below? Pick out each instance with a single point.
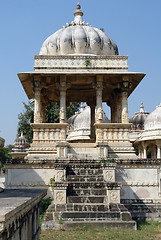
(4, 155)
(25, 118)
(52, 116)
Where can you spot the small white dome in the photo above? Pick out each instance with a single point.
(153, 121)
(79, 38)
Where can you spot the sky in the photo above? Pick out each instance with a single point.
(135, 26)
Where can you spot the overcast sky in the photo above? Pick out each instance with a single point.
(135, 26)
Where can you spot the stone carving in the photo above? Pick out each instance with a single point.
(99, 62)
(114, 197)
(62, 115)
(109, 175)
(60, 176)
(60, 196)
(99, 115)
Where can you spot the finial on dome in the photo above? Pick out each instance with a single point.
(78, 15)
(21, 134)
(142, 108)
(78, 6)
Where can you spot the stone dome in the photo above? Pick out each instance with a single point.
(80, 125)
(78, 38)
(21, 142)
(153, 121)
(139, 118)
(82, 120)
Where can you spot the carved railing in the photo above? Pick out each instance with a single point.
(112, 132)
(49, 132)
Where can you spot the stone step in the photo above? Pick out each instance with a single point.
(102, 223)
(87, 207)
(94, 184)
(84, 171)
(108, 215)
(87, 199)
(80, 178)
(80, 192)
(79, 207)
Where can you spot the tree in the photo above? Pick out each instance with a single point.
(4, 155)
(25, 118)
(52, 116)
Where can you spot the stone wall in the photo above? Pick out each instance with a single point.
(19, 214)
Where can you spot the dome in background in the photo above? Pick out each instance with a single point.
(153, 121)
(79, 38)
(82, 120)
(139, 118)
(80, 125)
(21, 142)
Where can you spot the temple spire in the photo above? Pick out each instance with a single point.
(78, 15)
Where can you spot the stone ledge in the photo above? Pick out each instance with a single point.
(18, 202)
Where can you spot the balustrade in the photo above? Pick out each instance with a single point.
(112, 132)
(49, 132)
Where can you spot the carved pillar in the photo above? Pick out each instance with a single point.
(115, 104)
(99, 88)
(37, 97)
(63, 99)
(124, 89)
(158, 144)
(144, 145)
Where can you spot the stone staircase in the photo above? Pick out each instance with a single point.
(91, 198)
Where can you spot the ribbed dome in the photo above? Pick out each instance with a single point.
(139, 118)
(153, 121)
(82, 120)
(21, 142)
(79, 38)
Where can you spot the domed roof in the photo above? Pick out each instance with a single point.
(139, 118)
(153, 121)
(80, 124)
(21, 142)
(82, 120)
(79, 38)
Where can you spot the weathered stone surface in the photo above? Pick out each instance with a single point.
(19, 213)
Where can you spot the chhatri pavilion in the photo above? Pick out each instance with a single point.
(91, 171)
(80, 63)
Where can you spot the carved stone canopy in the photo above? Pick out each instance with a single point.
(81, 85)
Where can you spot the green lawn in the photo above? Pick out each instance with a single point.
(146, 231)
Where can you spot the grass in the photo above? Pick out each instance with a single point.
(146, 231)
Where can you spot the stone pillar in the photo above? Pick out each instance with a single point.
(43, 113)
(37, 97)
(158, 144)
(93, 136)
(99, 88)
(62, 99)
(124, 89)
(139, 151)
(152, 151)
(144, 145)
(115, 104)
